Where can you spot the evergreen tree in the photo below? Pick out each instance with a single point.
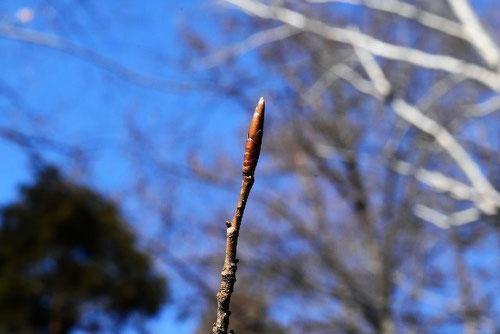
(65, 250)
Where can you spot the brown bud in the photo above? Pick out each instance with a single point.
(254, 139)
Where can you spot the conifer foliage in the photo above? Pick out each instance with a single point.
(65, 255)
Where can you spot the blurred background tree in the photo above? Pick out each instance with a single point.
(375, 208)
(65, 255)
(379, 196)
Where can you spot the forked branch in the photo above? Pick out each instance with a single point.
(251, 157)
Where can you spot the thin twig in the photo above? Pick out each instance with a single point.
(484, 108)
(91, 56)
(251, 157)
(253, 42)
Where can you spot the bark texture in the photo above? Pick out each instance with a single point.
(251, 157)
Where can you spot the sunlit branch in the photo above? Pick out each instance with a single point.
(490, 197)
(451, 146)
(444, 184)
(439, 89)
(375, 46)
(484, 108)
(373, 70)
(407, 11)
(254, 41)
(482, 194)
(342, 71)
(446, 221)
(470, 29)
(316, 90)
(414, 116)
(476, 34)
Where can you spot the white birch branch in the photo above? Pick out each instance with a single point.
(315, 91)
(365, 46)
(484, 108)
(444, 184)
(490, 197)
(374, 71)
(348, 74)
(438, 181)
(254, 41)
(476, 34)
(451, 146)
(482, 193)
(376, 47)
(410, 12)
(470, 29)
(446, 221)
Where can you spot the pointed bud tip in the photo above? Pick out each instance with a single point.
(261, 101)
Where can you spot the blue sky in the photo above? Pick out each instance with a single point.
(74, 102)
(82, 104)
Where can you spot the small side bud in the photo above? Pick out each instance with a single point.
(254, 139)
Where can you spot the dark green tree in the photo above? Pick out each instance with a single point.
(65, 254)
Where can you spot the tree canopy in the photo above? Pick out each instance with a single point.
(67, 258)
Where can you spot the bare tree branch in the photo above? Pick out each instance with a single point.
(442, 183)
(251, 157)
(476, 34)
(453, 148)
(63, 45)
(374, 71)
(254, 41)
(484, 108)
(408, 11)
(314, 92)
(446, 221)
(491, 198)
(438, 90)
(470, 30)
(375, 46)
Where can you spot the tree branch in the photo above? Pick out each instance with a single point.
(254, 41)
(470, 30)
(454, 150)
(446, 221)
(476, 35)
(375, 46)
(410, 12)
(444, 184)
(63, 45)
(484, 108)
(411, 114)
(251, 157)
